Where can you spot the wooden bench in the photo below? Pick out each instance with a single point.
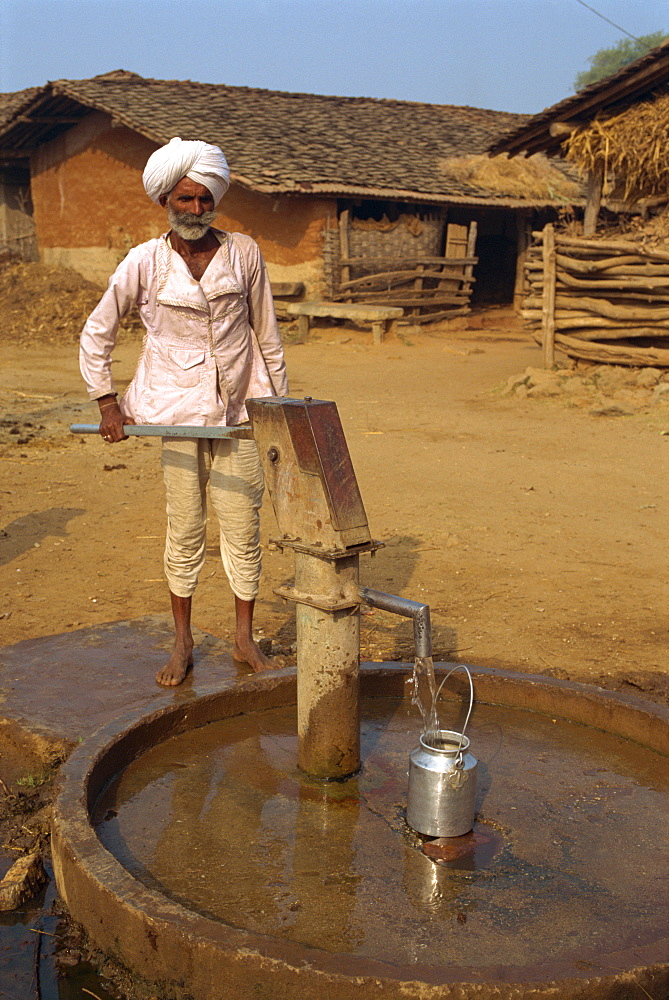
(285, 292)
(287, 289)
(378, 316)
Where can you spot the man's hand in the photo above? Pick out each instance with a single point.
(112, 420)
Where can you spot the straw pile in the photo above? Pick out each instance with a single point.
(630, 151)
(46, 304)
(533, 178)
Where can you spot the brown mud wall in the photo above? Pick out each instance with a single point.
(90, 207)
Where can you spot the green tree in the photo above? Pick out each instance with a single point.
(607, 61)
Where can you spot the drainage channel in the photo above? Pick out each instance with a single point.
(29, 970)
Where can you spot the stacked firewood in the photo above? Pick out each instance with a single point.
(601, 300)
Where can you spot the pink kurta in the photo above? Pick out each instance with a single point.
(209, 346)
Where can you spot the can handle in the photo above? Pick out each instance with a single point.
(459, 666)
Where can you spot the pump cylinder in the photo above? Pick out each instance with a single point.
(328, 643)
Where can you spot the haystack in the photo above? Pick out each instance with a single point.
(630, 151)
(532, 179)
(40, 303)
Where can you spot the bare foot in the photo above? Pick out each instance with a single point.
(176, 668)
(251, 653)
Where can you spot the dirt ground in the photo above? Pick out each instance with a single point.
(532, 523)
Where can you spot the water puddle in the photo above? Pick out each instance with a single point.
(220, 820)
(470, 852)
(28, 945)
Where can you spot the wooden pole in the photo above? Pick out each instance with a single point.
(418, 288)
(593, 200)
(471, 249)
(523, 228)
(343, 246)
(548, 305)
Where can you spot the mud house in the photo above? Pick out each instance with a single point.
(315, 179)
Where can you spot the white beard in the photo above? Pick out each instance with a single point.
(189, 226)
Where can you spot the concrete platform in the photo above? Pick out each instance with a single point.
(56, 690)
(96, 688)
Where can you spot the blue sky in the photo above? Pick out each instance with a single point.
(510, 55)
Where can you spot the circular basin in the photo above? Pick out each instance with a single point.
(190, 847)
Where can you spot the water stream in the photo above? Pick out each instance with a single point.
(424, 695)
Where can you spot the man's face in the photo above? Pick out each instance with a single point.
(190, 209)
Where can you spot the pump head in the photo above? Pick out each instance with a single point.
(309, 473)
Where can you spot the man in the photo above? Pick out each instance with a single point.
(211, 343)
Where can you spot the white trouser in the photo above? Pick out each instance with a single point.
(232, 469)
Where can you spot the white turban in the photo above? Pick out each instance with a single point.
(203, 163)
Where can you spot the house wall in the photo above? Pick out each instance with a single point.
(289, 231)
(90, 208)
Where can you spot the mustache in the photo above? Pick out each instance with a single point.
(189, 226)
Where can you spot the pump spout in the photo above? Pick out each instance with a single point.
(422, 631)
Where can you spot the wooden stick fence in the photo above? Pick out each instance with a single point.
(429, 287)
(582, 294)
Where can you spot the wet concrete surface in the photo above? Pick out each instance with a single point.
(568, 876)
(68, 685)
(55, 691)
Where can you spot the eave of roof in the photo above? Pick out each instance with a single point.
(11, 103)
(608, 96)
(282, 143)
(397, 194)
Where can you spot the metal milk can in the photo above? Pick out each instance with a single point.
(442, 779)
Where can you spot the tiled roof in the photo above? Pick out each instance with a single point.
(611, 95)
(11, 103)
(279, 142)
